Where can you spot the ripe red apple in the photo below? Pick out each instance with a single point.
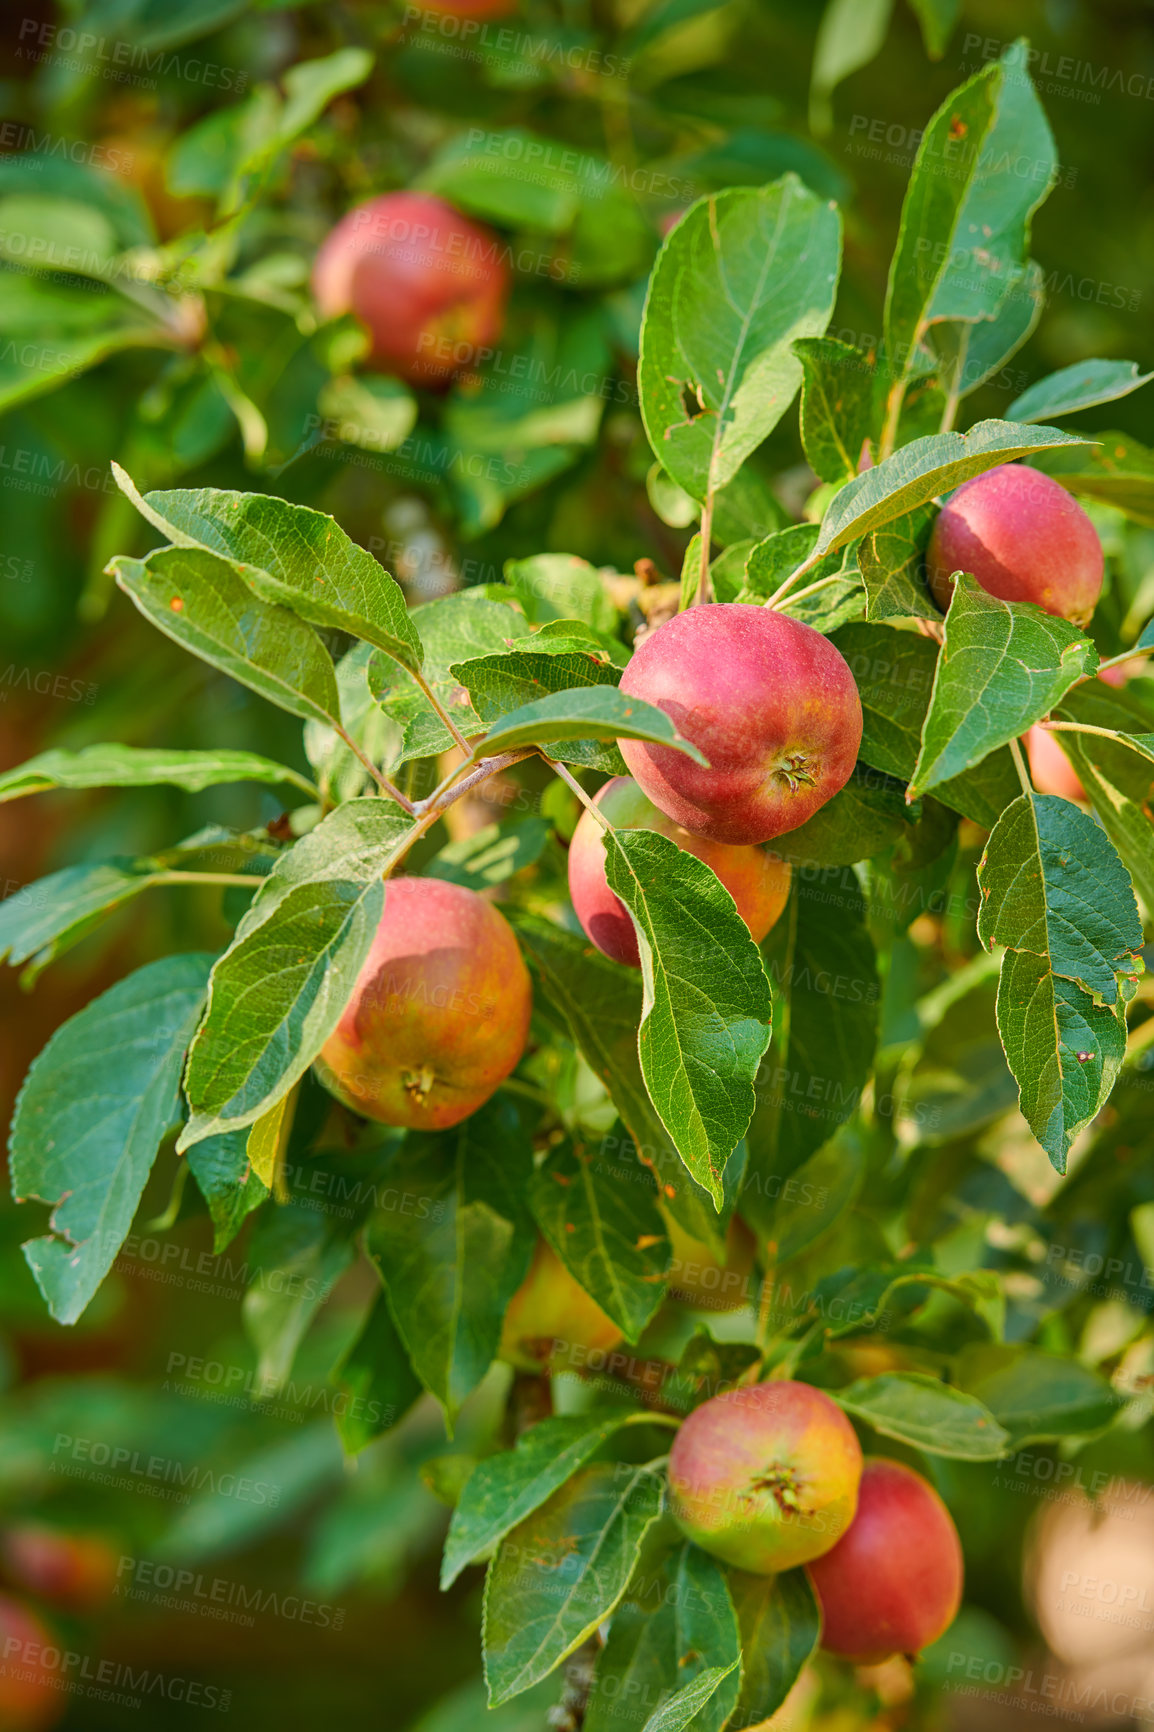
(769, 701)
(428, 285)
(1050, 769)
(31, 1696)
(550, 1315)
(74, 1570)
(758, 883)
(439, 1015)
(766, 1477)
(893, 1583)
(1023, 538)
(697, 1278)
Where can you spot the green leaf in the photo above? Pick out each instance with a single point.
(452, 1245)
(291, 555)
(456, 628)
(561, 1572)
(826, 973)
(376, 1381)
(891, 560)
(90, 1117)
(1004, 665)
(499, 685)
(203, 604)
(780, 1625)
(797, 1212)
(924, 469)
(1055, 892)
(224, 1175)
(1118, 471)
(601, 1005)
(771, 561)
(743, 274)
(310, 86)
(864, 818)
(559, 586)
(1035, 1395)
(278, 992)
(587, 713)
(937, 19)
(836, 405)
(299, 1256)
(851, 33)
(506, 1488)
(491, 855)
(926, 1413)
(973, 353)
(375, 413)
(46, 918)
(687, 1706)
(1053, 885)
(142, 767)
(1083, 386)
(53, 331)
(1115, 774)
(610, 1237)
(706, 1016)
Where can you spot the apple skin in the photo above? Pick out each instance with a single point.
(758, 883)
(769, 701)
(549, 1314)
(697, 1278)
(765, 1477)
(414, 272)
(1050, 769)
(73, 1570)
(1023, 538)
(30, 1694)
(893, 1583)
(439, 1014)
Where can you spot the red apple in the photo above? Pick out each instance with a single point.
(549, 1315)
(439, 1014)
(758, 882)
(75, 1570)
(1050, 769)
(893, 1583)
(769, 701)
(32, 1692)
(1023, 538)
(428, 285)
(766, 1477)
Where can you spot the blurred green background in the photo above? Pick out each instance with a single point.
(176, 135)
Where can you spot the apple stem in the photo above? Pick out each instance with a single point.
(443, 713)
(812, 588)
(244, 881)
(1126, 656)
(572, 782)
(1020, 766)
(706, 541)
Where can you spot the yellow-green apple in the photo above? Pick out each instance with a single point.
(439, 1014)
(757, 881)
(1023, 538)
(769, 701)
(893, 1583)
(551, 1322)
(428, 285)
(766, 1477)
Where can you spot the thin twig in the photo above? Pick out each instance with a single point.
(784, 588)
(812, 588)
(382, 782)
(246, 881)
(442, 712)
(1080, 728)
(706, 541)
(1126, 656)
(584, 798)
(1020, 766)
